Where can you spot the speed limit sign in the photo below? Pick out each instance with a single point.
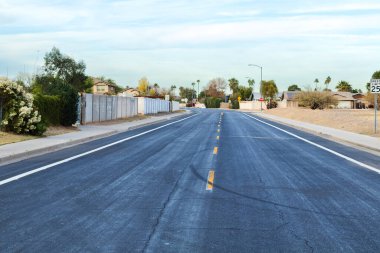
(375, 86)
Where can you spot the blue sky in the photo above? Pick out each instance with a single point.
(178, 42)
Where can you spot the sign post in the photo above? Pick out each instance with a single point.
(375, 88)
(261, 104)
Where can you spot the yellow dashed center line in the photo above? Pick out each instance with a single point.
(217, 137)
(218, 130)
(210, 180)
(215, 150)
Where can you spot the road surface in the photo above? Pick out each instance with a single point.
(214, 182)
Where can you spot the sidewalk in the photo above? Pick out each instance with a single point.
(25, 149)
(361, 140)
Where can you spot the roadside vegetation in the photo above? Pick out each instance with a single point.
(20, 114)
(316, 99)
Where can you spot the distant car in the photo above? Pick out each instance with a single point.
(200, 105)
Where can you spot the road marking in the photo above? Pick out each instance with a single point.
(218, 125)
(215, 150)
(218, 130)
(28, 173)
(217, 137)
(210, 180)
(319, 146)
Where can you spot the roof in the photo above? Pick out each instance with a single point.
(343, 96)
(101, 82)
(290, 95)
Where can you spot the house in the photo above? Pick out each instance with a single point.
(288, 99)
(103, 87)
(130, 92)
(345, 100)
(361, 100)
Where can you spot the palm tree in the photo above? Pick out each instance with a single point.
(156, 86)
(327, 82)
(251, 82)
(344, 86)
(316, 81)
(198, 81)
(234, 84)
(268, 89)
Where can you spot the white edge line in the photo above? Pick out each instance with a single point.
(14, 178)
(319, 146)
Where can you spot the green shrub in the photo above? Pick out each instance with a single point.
(272, 104)
(235, 104)
(68, 98)
(212, 102)
(49, 107)
(316, 99)
(69, 103)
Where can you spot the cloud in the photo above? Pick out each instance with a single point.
(334, 8)
(179, 39)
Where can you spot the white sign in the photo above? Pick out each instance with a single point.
(375, 86)
(167, 97)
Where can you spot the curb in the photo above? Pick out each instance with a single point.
(40, 151)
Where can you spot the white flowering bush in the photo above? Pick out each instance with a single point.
(19, 115)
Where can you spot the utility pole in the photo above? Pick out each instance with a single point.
(261, 72)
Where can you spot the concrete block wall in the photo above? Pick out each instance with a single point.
(152, 106)
(252, 105)
(175, 106)
(97, 108)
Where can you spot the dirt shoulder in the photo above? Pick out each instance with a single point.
(356, 121)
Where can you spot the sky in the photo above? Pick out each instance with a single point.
(176, 42)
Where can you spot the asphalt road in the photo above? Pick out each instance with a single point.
(181, 189)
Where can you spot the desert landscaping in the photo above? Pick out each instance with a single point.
(357, 121)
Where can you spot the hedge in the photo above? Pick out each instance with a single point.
(213, 102)
(49, 107)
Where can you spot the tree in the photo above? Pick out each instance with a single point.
(316, 81)
(294, 87)
(152, 92)
(268, 89)
(376, 75)
(251, 82)
(143, 86)
(65, 68)
(234, 84)
(327, 82)
(357, 91)
(216, 87)
(316, 99)
(344, 86)
(186, 93)
(172, 90)
(193, 84)
(244, 92)
(219, 84)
